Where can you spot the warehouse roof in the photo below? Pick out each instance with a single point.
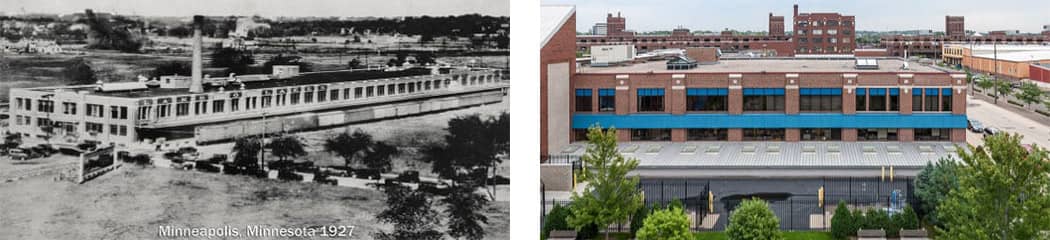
(786, 65)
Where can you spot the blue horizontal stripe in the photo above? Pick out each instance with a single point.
(650, 92)
(606, 92)
(861, 91)
(877, 91)
(771, 120)
(916, 91)
(763, 91)
(583, 92)
(931, 91)
(895, 91)
(707, 92)
(946, 91)
(820, 91)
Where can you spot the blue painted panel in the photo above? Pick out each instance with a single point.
(895, 91)
(862, 91)
(763, 91)
(583, 92)
(606, 92)
(707, 92)
(772, 120)
(931, 92)
(946, 91)
(650, 92)
(916, 91)
(820, 91)
(877, 91)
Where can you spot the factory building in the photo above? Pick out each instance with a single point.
(201, 109)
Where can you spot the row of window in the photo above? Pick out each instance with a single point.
(779, 134)
(772, 99)
(70, 108)
(90, 127)
(295, 98)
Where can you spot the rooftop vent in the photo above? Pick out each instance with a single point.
(681, 63)
(867, 64)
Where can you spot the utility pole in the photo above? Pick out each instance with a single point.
(995, 72)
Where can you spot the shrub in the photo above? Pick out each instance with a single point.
(843, 222)
(670, 223)
(906, 219)
(141, 159)
(753, 220)
(555, 220)
(879, 219)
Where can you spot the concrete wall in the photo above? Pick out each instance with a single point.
(556, 177)
(557, 67)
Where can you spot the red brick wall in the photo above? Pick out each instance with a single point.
(1039, 73)
(906, 135)
(561, 48)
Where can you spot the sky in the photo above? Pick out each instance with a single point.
(266, 8)
(881, 15)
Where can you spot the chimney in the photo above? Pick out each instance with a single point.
(196, 83)
(796, 10)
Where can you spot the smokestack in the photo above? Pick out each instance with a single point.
(196, 83)
(796, 10)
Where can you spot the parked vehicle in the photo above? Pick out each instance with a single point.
(991, 131)
(366, 173)
(206, 167)
(44, 150)
(408, 176)
(331, 171)
(182, 165)
(498, 180)
(976, 126)
(433, 188)
(22, 154)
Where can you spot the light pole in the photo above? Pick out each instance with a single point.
(995, 72)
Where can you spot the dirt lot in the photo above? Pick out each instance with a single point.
(132, 202)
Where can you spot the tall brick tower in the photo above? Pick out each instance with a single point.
(776, 25)
(616, 25)
(954, 26)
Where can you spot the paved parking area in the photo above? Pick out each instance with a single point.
(1033, 130)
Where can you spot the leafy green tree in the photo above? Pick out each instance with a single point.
(1002, 89)
(465, 220)
(172, 68)
(281, 59)
(1002, 192)
(985, 83)
(878, 219)
(933, 184)
(236, 60)
(670, 223)
(411, 212)
(473, 144)
(354, 64)
(842, 223)
(556, 220)
(907, 219)
(378, 156)
(638, 218)
(610, 196)
(285, 147)
(753, 220)
(1029, 94)
(348, 145)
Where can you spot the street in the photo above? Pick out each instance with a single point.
(1007, 119)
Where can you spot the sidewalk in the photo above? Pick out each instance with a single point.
(1031, 115)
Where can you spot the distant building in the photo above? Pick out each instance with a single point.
(1013, 61)
(600, 29)
(954, 26)
(823, 33)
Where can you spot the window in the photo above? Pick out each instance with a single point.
(123, 130)
(820, 99)
(412, 86)
(359, 92)
(818, 32)
(894, 98)
(144, 112)
(235, 104)
(707, 99)
(42, 122)
(381, 90)
(390, 89)
(877, 99)
(877, 134)
(46, 106)
(650, 134)
(162, 110)
(650, 100)
(932, 134)
(93, 127)
(335, 94)
(583, 100)
(295, 98)
(946, 99)
(606, 100)
(862, 99)
(763, 99)
(764, 134)
(69, 108)
(94, 110)
(369, 91)
(707, 134)
(308, 97)
(401, 87)
(217, 106)
(820, 134)
(579, 135)
(321, 96)
(916, 99)
(931, 100)
(346, 93)
(250, 103)
(182, 109)
(200, 108)
(113, 130)
(832, 32)
(267, 101)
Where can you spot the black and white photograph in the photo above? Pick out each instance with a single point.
(238, 119)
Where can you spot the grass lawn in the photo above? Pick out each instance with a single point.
(130, 203)
(787, 235)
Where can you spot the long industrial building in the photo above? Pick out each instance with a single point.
(852, 116)
(200, 109)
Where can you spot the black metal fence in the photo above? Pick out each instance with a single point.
(795, 201)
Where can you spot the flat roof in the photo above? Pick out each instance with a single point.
(308, 78)
(791, 65)
(833, 154)
(1022, 56)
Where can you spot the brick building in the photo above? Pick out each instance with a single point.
(775, 41)
(955, 32)
(823, 33)
(557, 65)
(954, 26)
